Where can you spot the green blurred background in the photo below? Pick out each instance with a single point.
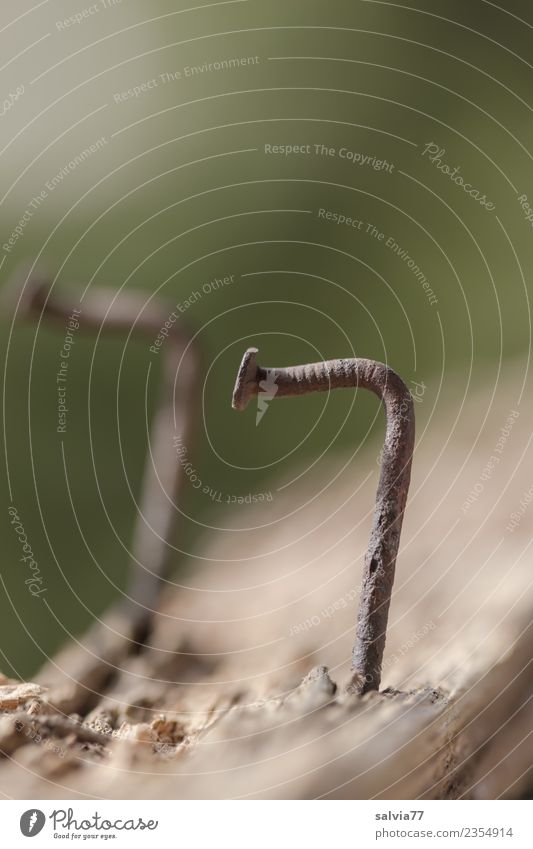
(183, 192)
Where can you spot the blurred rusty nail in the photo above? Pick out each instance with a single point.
(391, 496)
(102, 309)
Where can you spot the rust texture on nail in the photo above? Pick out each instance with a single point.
(391, 497)
(104, 310)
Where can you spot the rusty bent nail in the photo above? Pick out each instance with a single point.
(102, 309)
(380, 560)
